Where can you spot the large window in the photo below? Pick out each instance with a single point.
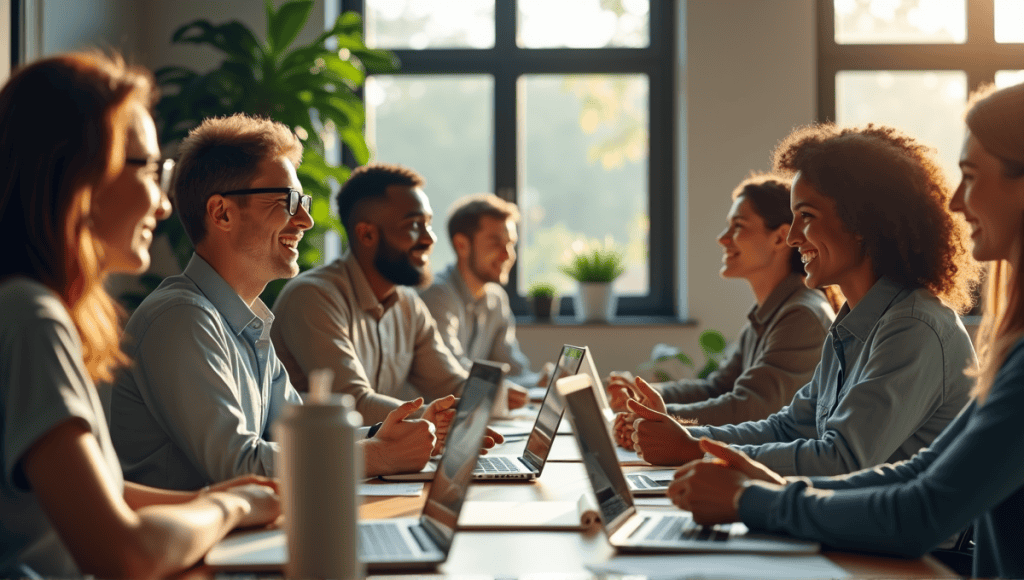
(912, 63)
(564, 107)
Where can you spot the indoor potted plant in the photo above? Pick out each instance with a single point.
(542, 298)
(595, 269)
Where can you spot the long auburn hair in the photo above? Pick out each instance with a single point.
(62, 139)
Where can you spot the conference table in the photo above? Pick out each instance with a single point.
(544, 553)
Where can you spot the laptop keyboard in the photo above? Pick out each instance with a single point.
(381, 539)
(640, 481)
(497, 465)
(671, 529)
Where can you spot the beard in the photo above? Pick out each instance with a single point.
(482, 273)
(395, 267)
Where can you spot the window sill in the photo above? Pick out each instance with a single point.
(617, 322)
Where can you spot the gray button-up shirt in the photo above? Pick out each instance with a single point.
(196, 405)
(329, 317)
(477, 328)
(891, 378)
(775, 355)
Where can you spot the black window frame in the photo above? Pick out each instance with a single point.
(506, 62)
(979, 56)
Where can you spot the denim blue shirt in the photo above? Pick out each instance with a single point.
(891, 378)
(196, 405)
(973, 470)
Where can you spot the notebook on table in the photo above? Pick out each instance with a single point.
(530, 464)
(402, 543)
(632, 530)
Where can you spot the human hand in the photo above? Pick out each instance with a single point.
(619, 387)
(491, 439)
(262, 503)
(402, 445)
(707, 488)
(441, 413)
(740, 461)
(660, 439)
(623, 429)
(517, 396)
(545, 374)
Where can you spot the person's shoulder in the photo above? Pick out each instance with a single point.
(176, 293)
(25, 302)
(440, 292)
(813, 303)
(921, 309)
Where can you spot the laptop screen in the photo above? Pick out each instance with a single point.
(462, 449)
(550, 414)
(610, 486)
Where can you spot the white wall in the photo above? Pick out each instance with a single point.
(746, 77)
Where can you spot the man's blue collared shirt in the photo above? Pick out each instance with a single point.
(204, 386)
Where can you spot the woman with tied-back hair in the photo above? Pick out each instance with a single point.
(870, 216)
(80, 195)
(777, 348)
(975, 469)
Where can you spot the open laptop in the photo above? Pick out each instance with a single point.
(400, 543)
(657, 531)
(653, 482)
(530, 464)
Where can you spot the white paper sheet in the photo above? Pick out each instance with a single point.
(409, 488)
(734, 566)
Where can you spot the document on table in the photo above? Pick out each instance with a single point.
(409, 488)
(734, 566)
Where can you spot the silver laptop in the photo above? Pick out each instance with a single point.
(653, 482)
(401, 543)
(530, 464)
(657, 531)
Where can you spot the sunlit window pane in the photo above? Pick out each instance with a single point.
(420, 24)
(929, 105)
(1008, 78)
(440, 126)
(584, 143)
(900, 21)
(1009, 20)
(583, 23)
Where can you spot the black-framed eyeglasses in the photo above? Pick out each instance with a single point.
(295, 197)
(165, 173)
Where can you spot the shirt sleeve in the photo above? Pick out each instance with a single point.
(681, 393)
(435, 371)
(791, 349)
(506, 347)
(899, 388)
(907, 509)
(43, 383)
(316, 330)
(282, 393)
(192, 393)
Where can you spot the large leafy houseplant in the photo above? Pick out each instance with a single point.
(311, 88)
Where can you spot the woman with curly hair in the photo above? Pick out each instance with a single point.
(81, 190)
(974, 470)
(869, 216)
(780, 344)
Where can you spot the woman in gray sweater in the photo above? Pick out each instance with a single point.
(975, 469)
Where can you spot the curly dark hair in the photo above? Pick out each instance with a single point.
(888, 190)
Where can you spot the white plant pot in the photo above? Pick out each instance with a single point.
(595, 302)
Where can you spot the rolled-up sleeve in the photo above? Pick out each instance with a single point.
(200, 405)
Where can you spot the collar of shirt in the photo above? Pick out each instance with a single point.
(859, 321)
(364, 295)
(760, 315)
(224, 298)
(455, 279)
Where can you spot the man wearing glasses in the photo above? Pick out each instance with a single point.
(196, 404)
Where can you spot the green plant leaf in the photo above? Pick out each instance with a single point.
(712, 342)
(284, 26)
(232, 38)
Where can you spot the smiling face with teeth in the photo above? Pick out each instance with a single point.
(832, 255)
(268, 238)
